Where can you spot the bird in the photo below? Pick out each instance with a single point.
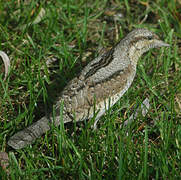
(96, 88)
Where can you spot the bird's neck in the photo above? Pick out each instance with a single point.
(136, 50)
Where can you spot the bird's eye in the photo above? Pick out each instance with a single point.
(150, 37)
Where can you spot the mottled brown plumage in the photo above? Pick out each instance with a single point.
(100, 85)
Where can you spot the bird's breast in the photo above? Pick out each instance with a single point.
(91, 96)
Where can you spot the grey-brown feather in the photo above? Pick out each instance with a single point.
(103, 81)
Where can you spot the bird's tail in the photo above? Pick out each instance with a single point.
(28, 135)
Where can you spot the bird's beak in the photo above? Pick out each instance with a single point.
(159, 43)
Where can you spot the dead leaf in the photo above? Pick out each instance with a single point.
(145, 106)
(6, 61)
(179, 1)
(4, 161)
(178, 100)
(109, 13)
(39, 16)
(144, 3)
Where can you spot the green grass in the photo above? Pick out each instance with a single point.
(73, 32)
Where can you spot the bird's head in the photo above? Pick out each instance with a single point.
(141, 40)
